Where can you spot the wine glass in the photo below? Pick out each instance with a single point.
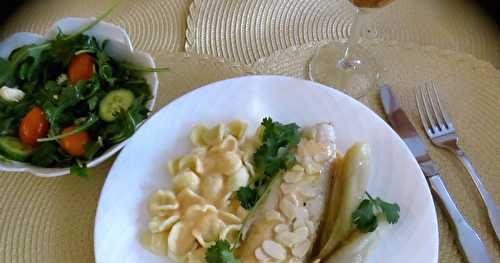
(348, 66)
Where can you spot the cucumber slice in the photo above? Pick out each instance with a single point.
(14, 149)
(114, 102)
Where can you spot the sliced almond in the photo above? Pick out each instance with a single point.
(301, 234)
(308, 191)
(281, 228)
(286, 238)
(288, 208)
(294, 260)
(273, 215)
(274, 249)
(261, 256)
(288, 188)
(292, 177)
(300, 250)
(310, 226)
(293, 198)
(298, 224)
(301, 214)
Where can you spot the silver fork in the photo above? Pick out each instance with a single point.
(440, 129)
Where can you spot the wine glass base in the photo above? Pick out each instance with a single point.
(355, 76)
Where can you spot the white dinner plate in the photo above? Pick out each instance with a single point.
(141, 167)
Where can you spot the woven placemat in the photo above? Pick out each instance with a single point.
(470, 89)
(153, 25)
(52, 219)
(246, 30)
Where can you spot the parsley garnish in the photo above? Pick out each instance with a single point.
(248, 197)
(365, 216)
(220, 252)
(277, 153)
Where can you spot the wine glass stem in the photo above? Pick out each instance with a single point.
(349, 61)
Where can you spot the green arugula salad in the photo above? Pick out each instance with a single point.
(66, 101)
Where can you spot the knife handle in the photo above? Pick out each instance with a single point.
(471, 245)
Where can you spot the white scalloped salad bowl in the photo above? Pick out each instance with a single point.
(118, 47)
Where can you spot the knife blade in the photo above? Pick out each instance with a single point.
(471, 244)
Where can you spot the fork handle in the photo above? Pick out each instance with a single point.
(470, 243)
(491, 207)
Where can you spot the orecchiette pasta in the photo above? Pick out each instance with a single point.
(163, 202)
(201, 207)
(237, 129)
(196, 135)
(173, 166)
(228, 162)
(156, 242)
(180, 239)
(159, 223)
(212, 186)
(215, 135)
(238, 179)
(186, 179)
(190, 162)
(229, 144)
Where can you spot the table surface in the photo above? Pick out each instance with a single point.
(51, 220)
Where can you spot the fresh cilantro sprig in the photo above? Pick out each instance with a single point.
(247, 196)
(365, 217)
(277, 153)
(221, 252)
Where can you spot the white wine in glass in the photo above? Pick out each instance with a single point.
(348, 66)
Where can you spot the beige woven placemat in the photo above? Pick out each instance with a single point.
(246, 30)
(153, 25)
(51, 220)
(471, 91)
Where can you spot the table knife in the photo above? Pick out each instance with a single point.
(470, 243)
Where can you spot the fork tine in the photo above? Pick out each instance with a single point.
(423, 119)
(425, 100)
(432, 101)
(444, 115)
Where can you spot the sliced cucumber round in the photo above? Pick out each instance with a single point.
(114, 102)
(14, 149)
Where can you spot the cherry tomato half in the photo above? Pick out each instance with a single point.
(33, 126)
(81, 68)
(74, 144)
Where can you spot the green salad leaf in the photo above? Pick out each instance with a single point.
(41, 72)
(79, 169)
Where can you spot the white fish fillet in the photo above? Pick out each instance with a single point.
(265, 242)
